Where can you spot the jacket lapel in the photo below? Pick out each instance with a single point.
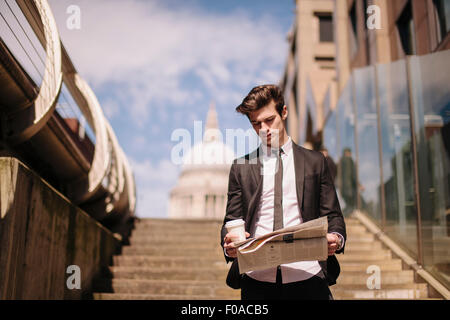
(255, 166)
(255, 169)
(299, 167)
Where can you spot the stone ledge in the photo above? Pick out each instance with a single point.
(41, 234)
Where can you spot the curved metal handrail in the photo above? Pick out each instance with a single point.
(116, 185)
(131, 187)
(85, 188)
(106, 183)
(23, 125)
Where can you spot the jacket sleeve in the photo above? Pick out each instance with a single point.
(329, 204)
(234, 203)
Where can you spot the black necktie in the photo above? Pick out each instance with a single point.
(278, 198)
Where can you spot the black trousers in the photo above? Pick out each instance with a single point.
(314, 288)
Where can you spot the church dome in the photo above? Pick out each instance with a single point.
(201, 189)
(214, 153)
(211, 151)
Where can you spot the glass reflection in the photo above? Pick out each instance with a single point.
(430, 76)
(346, 178)
(398, 178)
(367, 138)
(330, 144)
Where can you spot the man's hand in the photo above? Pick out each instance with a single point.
(229, 244)
(333, 243)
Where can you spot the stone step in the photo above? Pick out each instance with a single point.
(356, 229)
(185, 273)
(181, 233)
(362, 239)
(352, 223)
(366, 238)
(387, 277)
(385, 265)
(346, 277)
(173, 251)
(179, 227)
(133, 296)
(214, 237)
(402, 291)
(186, 238)
(177, 230)
(218, 252)
(363, 246)
(346, 260)
(136, 242)
(364, 255)
(163, 287)
(169, 262)
(188, 262)
(186, 224)
(209, 222)
(175, 222)
(361, 258)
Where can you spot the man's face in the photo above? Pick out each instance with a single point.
(268, 124)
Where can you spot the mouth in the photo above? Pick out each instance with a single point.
(266, 138)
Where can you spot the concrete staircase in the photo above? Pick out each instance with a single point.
(169, 260)
(363, 250)
(182, 259)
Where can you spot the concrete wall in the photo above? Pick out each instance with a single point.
(41, 234)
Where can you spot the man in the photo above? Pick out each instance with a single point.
(347, 181)
(331, 165)
(272, 188)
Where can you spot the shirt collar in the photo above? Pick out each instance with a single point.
(287, 147)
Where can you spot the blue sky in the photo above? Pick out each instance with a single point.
(156, 66)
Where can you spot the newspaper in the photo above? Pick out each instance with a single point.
(303, 242)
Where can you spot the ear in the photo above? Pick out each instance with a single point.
(284, 113)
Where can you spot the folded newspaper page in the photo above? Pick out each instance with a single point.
(303, 242)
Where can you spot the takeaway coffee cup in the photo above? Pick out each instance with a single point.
(236, 227)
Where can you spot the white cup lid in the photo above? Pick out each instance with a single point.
(233, 223)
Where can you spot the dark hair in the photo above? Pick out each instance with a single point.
(261, 96)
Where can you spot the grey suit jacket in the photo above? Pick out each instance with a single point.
(316, 197)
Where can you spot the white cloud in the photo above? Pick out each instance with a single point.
(147, 50)
(138, 143)
(111, 108)
(146, 59)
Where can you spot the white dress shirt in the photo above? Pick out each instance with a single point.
(290, 272)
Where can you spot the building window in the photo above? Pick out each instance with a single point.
(325, 27)
(325, 62)
(405, 26)
(442, 11)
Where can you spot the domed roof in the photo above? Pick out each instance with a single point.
(211, 151)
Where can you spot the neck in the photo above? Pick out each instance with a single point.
(283, 138)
